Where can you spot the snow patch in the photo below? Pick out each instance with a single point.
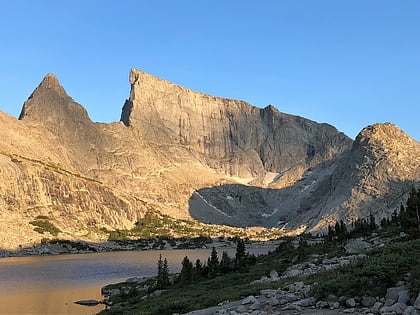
(266, 215)
(229, 197)
(210, 205)
(307, 186)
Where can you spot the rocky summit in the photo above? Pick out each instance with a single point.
(190, 156)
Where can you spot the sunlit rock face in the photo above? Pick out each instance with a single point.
(229, 135)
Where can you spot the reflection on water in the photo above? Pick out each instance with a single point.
(51, 284)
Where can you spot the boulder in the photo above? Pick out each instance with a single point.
(305, 302)
(334, 305)
(356, 246)
(256, 306)
(394, 293)
(411, 310)
(350, 302)
(403, 297)
(399, 308)
(274, 276)
(368, 301)
(322, 304)
(376, 307)
(273, 301)
(248, 300)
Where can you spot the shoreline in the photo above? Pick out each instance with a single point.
(66, 247)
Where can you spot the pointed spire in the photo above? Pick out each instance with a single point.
(50, 81)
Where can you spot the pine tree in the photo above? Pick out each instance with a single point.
(372, 223)
(165, 274)
(411, 221)
(225, 263)
(240, 256)
(198, 268)
(186, 274)
(213, 263)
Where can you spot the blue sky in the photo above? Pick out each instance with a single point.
(346, 63)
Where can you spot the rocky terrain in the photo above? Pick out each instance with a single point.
(190, 156)
(368, 274)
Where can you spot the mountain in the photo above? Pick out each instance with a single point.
(374, 177)
(190, 156)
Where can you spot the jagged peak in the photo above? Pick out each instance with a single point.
(50, 100)
(51, 82)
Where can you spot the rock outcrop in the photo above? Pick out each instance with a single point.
(229, 135)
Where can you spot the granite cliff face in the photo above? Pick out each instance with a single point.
(229, 135)
(191, 156)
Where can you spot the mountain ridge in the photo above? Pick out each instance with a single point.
(87, 176)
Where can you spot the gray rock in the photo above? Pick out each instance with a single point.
(376, 307)
(394, 293)
(368, 301)
(268, 293)
(248, 300)
(305, 302)
(241, 309)
(351, 302)
(399, 308)
(256, 306)
(334, 305)
(403, 297)
(274, 276)
(417, 302)
(322, 304)
(356, 246)
(290, 297)
(273, 301)
(410, 310)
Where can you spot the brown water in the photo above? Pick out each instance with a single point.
(51, 284)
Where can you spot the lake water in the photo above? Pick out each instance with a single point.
(51, 284)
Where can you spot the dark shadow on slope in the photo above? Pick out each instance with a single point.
(304, 203)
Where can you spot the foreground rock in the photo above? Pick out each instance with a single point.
(296, 299)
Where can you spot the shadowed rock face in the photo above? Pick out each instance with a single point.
(172, 142)
(231, 135)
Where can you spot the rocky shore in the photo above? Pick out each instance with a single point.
(65, 247)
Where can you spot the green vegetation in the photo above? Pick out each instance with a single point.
(374, 275)
(193, 291)
(43, 225)
(162, 279)
(202, 285)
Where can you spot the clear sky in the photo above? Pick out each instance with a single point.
(347, 63)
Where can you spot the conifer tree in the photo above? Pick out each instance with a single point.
(213, 263)
(225, 263)
(240, 256)
(163, 273)
(186, 274)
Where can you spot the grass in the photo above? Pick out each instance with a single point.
(372, 276)
(43, 225)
